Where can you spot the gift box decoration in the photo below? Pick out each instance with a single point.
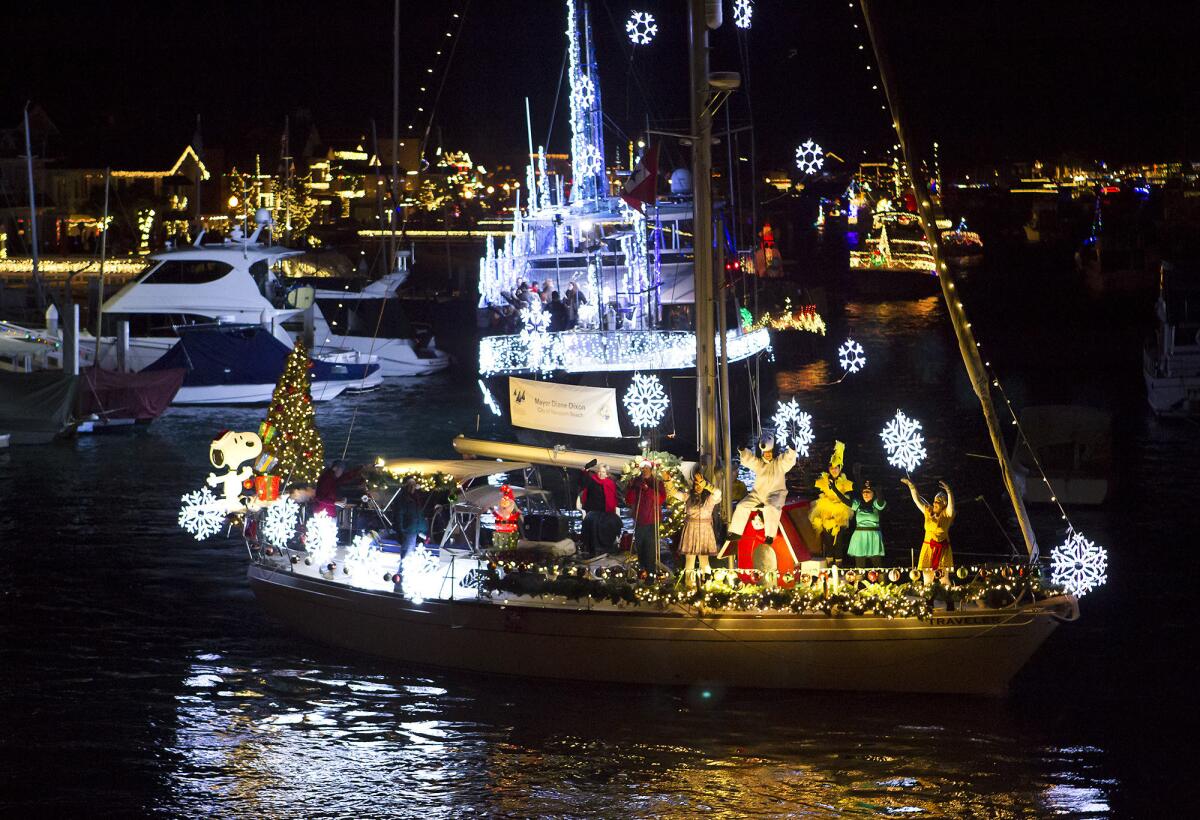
(267, 487)
(266, 431)
(265, 463)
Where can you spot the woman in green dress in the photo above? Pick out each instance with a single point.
(866, 544)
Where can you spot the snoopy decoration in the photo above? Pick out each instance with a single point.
(236, 453)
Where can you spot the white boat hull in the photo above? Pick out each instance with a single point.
(395, 357)
(973, 652)
(252, 393)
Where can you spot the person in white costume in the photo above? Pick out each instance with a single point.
(769, 493)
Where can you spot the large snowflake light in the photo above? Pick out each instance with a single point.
(851, 356)
(904, 442)
(743, 10)
(641, 28)
(320, 538)
(1078, 564)
(360, 554)
(810, 157)
(419, 577)
(645, 400)
(279, 524)
(791, 424)
(202, 515)
(584, 91)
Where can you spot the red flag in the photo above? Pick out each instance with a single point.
(641, 188)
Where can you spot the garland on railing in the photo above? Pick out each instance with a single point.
(888, 593)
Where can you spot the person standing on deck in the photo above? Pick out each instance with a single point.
(645, 496)
(769, 493)
(866, 543)
(598, 500)
(935, 550)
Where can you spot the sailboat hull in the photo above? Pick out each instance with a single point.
(975, 652)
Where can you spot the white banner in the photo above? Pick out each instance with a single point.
(563, 408)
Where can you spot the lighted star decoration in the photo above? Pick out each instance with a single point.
(904, 442)
(1078, 564)
(810, 157)
(279, 524)
(488, 398)
(794, 425)
(584, 91)
(852, 357)
(641, 28)
(419, 575)
(645, 400)
(320, 537)
(743, 10)
(201, 515)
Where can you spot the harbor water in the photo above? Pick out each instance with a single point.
(139, 676)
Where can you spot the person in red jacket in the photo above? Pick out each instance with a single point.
(598, 500)
(645, 497)
(332, 477)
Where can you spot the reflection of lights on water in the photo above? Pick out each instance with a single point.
(1070, 799)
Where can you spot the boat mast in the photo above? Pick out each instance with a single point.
(39, 290)
(701, 135)
(929, 210)
(103, 254)
(395, 135)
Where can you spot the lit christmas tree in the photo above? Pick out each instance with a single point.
(290, 432)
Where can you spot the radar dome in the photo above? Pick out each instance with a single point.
(262, 217)
(681, 181)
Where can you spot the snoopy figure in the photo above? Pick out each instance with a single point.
(233, 450)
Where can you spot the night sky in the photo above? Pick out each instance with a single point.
(990, 81)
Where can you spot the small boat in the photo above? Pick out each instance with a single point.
(1171, 361)
(1071, 446)
(895, 259)
(240, 365)
(109, 400)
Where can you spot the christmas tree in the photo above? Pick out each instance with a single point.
(290, 432)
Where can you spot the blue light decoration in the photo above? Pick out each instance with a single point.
(641, 28)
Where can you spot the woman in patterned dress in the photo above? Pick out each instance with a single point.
(698, 538)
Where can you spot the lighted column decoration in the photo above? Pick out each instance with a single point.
(296, 445)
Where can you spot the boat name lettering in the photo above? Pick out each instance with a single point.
(959, 620)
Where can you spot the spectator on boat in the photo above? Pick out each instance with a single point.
(333, 476)
(866, 542)
(828, 515)
(598, 500)
(645, 496)
(698, 538)
(410, 518)
(507, 527)
(935, 550)
(559, 317)
(573, 300)
(546, 290)
(769, 493)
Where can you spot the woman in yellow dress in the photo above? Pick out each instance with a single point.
(935, 550)
(828, 514)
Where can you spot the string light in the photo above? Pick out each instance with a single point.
(488, 398)
(419, 578)
(904, 442)
(320, 537)
(296, 444)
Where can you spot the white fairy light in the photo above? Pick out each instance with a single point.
(419, 577)
(743, 10)
(1078, 564)
(794, 425)
(592, 162)
(810, 157)
(488, 398)
(279, 524)
(851, 356)
(584, 91)
(645, 400)
(641, 28)
(201, 515)
(320, 537)
(904, 442)
(361, 554)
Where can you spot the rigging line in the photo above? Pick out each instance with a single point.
(442, 84)
(554, 110)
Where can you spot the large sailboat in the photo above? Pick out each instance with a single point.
(809, 628)
(628, 276)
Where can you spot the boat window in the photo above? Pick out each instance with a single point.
(261, 274)
(155, 325)
(187, 272)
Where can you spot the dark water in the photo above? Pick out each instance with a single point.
(139, 675)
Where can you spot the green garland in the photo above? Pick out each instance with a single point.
(891, 594)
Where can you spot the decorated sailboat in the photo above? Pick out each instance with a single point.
(955, 629)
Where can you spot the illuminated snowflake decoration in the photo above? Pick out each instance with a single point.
(419, 575)
(810, 157)
(1079, 565)
(279, 524)
(852, 357)
(641, 28)
(904, 442)
(645, 400)
(201, 515)
(488, 398)
(791, 424)
(320, 538)
(584, 92)
(743, 10)
(543, 351)
(361, 553)
(592, 162)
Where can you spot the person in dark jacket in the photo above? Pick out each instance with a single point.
(598, 500)
(559, 315)
(410, 519)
